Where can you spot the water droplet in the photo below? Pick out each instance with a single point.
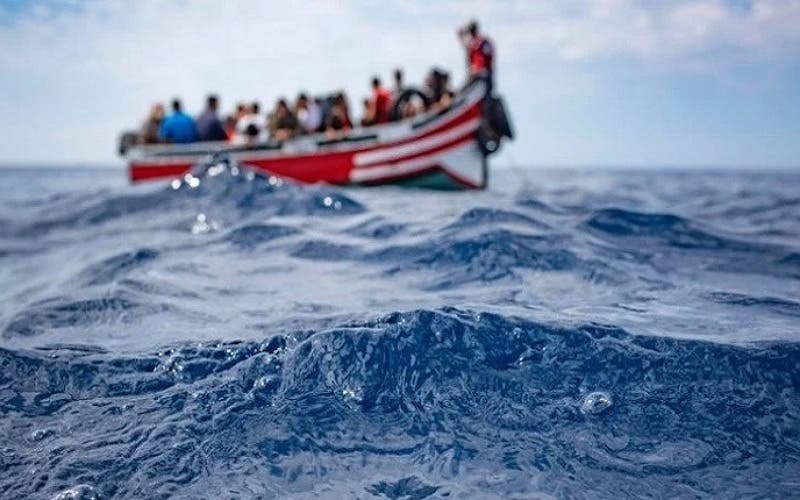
(202, 225)
(40, 434)
(263, 382)
(191, 180)
(176, 184)
(80, 492)
(216, 169)
(327, 201)
(596, 402)
(352, 393)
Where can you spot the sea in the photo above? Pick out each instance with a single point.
(564, 334)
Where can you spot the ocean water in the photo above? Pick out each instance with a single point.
(562, 334)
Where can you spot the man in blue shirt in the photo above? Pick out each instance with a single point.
(178, 128)
(209, 126)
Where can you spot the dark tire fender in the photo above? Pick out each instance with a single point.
(409, 93)
(497, 117)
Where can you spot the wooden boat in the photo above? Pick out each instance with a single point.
(441, 149)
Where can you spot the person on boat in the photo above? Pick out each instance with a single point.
(340, 102)
(249, 124)
(178, 128)
(338, 122)
(480, 53)
(209, 126)
(308, 114)
(444, 102)
(399, 85)
(381, 101)
(368, 114)
(437, 83)
(230, 128)
(284, 124)
(149, 134)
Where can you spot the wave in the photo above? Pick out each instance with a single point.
(58, 313)
(425, 390)
(234, 335)
(117, 266)
(670, 229)
(228, 189)
(251, 235)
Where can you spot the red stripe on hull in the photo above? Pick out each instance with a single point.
(145, 172)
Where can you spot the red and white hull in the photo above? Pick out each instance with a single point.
(441, 147)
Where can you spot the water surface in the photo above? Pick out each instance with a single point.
(561, 334)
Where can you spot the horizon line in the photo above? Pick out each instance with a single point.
(92, 165)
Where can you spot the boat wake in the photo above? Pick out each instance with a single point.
(234, 335)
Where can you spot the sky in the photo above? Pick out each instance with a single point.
(683, 83)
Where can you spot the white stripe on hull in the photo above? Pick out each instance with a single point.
(463, 161)
(416, 147)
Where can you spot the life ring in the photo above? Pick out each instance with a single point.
(408, 94)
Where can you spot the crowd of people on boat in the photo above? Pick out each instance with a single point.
(330, 114)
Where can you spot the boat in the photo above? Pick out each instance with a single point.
(444, 149)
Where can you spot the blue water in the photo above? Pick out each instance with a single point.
(560, 335)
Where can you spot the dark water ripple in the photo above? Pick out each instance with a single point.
(233, 336)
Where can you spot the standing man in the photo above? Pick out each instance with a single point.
(209, 126)
(480, 54)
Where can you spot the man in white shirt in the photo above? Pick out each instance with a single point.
(250, 125)
(308, 113)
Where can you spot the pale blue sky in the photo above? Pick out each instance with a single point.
(588, 82)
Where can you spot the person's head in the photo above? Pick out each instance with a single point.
(240, 109)
(472, 28)
(302, 100)
(157, 112)
(212, 102)
(176, 105)
(398, 77)
(282, 108)
(376, 82)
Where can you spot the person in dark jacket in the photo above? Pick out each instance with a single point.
(284, 124)
(209, 125)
